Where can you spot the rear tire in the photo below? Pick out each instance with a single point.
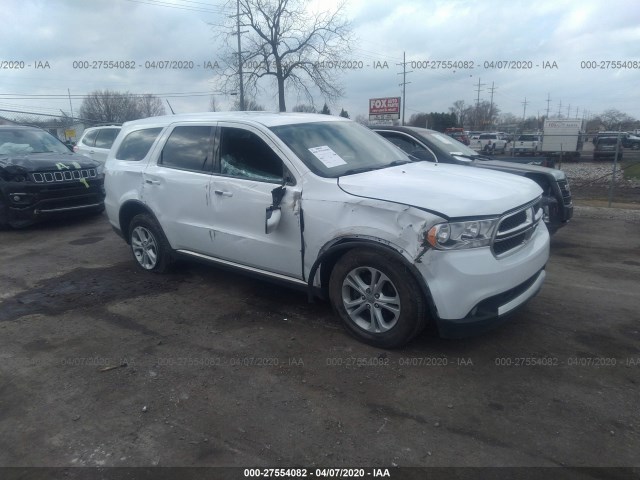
(149, 246)
(377, 298)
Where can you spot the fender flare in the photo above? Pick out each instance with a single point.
(345, 244)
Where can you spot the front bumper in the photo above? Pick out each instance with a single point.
(27, 202)
(472, 290)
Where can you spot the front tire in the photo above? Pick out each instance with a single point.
(377, 298)
(149, 246)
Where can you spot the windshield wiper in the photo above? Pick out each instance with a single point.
(472, 157)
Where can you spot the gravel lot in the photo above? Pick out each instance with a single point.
(104, 365)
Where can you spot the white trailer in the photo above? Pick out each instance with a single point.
(563, 137)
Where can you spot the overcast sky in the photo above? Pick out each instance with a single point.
(56, 33)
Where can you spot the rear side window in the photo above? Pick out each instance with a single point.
(89, 138)
(106, 136)
(189, 148)
(136, 145)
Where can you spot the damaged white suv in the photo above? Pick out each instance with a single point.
(324, 203)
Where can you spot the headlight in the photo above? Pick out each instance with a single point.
(457, 235)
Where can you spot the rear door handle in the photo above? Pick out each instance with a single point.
(152, 182)
(223, 193)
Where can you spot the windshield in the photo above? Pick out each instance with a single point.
(332, 149)
(527, 138)
(448, 144)
(25, 141)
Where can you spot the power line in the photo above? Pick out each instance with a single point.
(17, 96)
(218, 11)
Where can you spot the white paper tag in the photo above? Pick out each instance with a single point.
(327, 156)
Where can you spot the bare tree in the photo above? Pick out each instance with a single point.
(460, 110)
(213, 105)
(613, 119)
(114, 107)
(304, 108)
(362, 119)
(292, 45)
(149, 106)
(250, 105)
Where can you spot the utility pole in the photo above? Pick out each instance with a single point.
(404, 82)
(239, 56)
(70, 106)
(478, 103)
(491, 104)
(548, 102)
(569, 111)
(525, 103)
(559, 108)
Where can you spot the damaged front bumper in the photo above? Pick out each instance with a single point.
(472, 290)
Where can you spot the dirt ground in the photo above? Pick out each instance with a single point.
(216, 369)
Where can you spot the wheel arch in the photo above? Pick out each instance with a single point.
(331, 253)
(128, 211)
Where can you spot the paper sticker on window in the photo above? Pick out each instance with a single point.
(328, 157)
(443, 139)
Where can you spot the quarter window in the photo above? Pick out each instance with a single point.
(136, 145)
(106, 137)
(90, 138)
(245, 155)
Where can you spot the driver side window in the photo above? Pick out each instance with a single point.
(408, 145)
(245, 155)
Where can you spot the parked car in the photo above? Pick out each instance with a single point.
(40, 178)
(96, 142)
(433, 146)
(527, 144)
(627, 139)
(321, 202)
(606, 147)
(459, 134)
(461, 137)
(632, 142)
(489, 143)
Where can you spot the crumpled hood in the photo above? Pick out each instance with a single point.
(39, 162)
(452, 190)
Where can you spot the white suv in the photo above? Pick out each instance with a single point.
(96, 142)
(322, 202)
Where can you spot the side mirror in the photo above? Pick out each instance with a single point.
(272, 219)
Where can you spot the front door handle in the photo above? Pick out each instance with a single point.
(223, 193)
(152, 182)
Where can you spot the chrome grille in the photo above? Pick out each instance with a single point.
(566, 191)
(516, 227)
(63, 176)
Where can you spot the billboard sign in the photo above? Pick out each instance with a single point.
(384, 108)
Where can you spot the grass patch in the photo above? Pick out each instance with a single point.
(632, 170)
